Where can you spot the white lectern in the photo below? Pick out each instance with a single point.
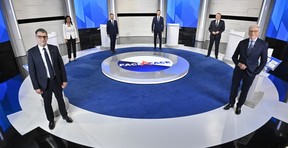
(52, 39)
(172, 34)
(105, 40)
(254, 95)
(234, 38)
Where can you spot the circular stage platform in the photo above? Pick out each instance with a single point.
(145, 67)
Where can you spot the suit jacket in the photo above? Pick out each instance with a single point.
(252, 60)
(157, 26)
(112, 30)
(69, 32)
(37, 68)
(220, 28)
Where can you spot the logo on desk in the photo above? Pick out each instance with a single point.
(145, 63)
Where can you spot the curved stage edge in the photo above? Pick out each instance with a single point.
(96, 130)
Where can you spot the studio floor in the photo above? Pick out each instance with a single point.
(261, 126)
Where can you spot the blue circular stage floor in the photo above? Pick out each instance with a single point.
(204, 88)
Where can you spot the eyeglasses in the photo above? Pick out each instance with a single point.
(253, 31)
(40, 37)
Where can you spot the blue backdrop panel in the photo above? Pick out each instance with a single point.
(278, 26)
(3, 31)
(184, 12)
(91, 13)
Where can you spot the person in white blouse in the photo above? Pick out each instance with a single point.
(70, 36)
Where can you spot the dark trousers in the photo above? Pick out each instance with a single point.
(160, 39)
(55, 87)
(112, 42)
(217, 42)
(247, 80)
(71, 42)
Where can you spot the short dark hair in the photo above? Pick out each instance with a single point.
(219, 14)
(41, 30)
(111, 14)
(158, 10)
(70, 19)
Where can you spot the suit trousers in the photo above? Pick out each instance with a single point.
(217, 42)
(71, 42)
(112, 42)
(247, 80)
(160, 39)
(53, 86)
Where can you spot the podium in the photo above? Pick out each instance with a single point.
(234, 38)
(254, 95)
(105, 40)
(52, 39)
(172, 34)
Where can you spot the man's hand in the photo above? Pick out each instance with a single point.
(39, 91)
(64, 84)
(242, 66)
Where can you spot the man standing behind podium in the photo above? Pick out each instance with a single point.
(48, 75)
(246, 57)
(112, 31)
(157, 28)
(216, 27)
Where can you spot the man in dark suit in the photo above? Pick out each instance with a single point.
(157, 28)
(246, 57)
(112, 31)
(216, 27)
(48, 74)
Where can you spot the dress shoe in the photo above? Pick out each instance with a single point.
(238, 111)
(51, 125)
(216, 57)
(228, 106)
(68, 119)
(207, 56)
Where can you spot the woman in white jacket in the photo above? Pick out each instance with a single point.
(70, 36)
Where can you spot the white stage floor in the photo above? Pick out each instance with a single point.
(202, 130)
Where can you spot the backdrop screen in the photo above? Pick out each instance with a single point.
(91, 13)
(183, 12)
(3, 31)
(278, 26)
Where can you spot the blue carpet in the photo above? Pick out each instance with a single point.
(204, 88)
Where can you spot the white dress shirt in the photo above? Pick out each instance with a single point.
(44, 59)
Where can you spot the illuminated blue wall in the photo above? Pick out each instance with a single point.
(183, 12)
(278, 26)
(91, 13)
(3, 31)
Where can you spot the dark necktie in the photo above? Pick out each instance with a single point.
(217, 23)
(49, 65)
(112, 22)
(250, 47)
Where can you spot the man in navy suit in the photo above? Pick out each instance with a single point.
(216, 27)
(246, 57)
(157, 28)
(112, 31)
(48, 74)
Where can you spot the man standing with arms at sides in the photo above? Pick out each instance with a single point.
(157, 28)
(48, 75)
(112, 31)
(216, 27)
(245, 58)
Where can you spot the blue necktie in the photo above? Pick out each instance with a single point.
(49, 65)
(250, 47)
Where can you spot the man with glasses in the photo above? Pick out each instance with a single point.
(245, 58)
(48, 75)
